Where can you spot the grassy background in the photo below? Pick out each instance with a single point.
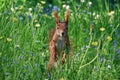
(24, 40)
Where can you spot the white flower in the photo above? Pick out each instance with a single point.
(64, 6)
(109, 67)
(89, 3)
(30, 14)
(93, 13)
(97, 16)
(67, 7)
(111, 13)
(82, 1)
(17, 46)
(37, 25)
(30, 9)
(16, 8)
(12, 9)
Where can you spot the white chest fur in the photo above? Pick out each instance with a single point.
(60, 44)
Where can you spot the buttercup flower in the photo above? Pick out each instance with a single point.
(15, 19)
(109, 38)
(21, 8)
(62, 79)
(102, 29)
(1, 37)
(43, 2)
(111, 13)
(105, 51)
(9, 39)
(95, 43)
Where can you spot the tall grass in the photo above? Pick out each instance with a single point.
(94, 32)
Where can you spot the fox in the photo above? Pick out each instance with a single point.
(59, 41)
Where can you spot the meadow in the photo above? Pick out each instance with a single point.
(94, 32)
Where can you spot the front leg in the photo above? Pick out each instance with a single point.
(53, 56)
(67, 48)
(63, 58)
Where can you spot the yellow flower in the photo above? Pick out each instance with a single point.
(43, 2)
(15, 19)
(102, 29)
(62, 79)
(9, 39)
(111, 13)
(109, 38)
(1, 37)
(105, 51)
(95, 43)
(21, 7)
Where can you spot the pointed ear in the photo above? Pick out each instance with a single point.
(56, 17)
(67, 16)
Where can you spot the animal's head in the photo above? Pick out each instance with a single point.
(62, 27)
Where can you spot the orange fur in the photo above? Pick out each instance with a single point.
(59, 41)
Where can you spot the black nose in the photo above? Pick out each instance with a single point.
(63, 33)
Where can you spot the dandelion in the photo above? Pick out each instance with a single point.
(1, 37)
(111, 13)
(9, 39)
(62, 79)
(102, 29)
(109, 38)
(37, 25)
(43, 2)
(95, 43)
(15, 19)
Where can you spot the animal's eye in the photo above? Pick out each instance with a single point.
(57, 27)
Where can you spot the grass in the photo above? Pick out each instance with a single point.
(94, 32)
